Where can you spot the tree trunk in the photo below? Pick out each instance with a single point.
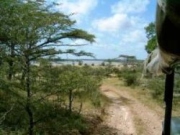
(28, 90)
(11, 62)
(80, 107)
(23, 76)
(70, 100)
(10, 73)
(30, 114)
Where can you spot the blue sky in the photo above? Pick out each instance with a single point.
(117, 24)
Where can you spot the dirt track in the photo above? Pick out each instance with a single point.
(127, 115)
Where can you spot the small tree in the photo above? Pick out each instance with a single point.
(77, 83)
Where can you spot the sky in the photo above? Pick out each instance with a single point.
(117, 24)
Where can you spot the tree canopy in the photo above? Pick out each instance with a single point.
(33, 28)
(30, 30)
(151, 36)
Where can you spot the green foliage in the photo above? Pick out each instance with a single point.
(150, 30)
(81, 82)
(102, 64)
(151, 45)
(52, 119)
(151, 35)
(32, 30)
(80, 63)
(50, 90)
(156, 85)
(130, 76)
(49, 119)
(130, 79)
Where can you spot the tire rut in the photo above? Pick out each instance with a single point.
(127, 115)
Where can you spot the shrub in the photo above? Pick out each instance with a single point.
(56, 120)
(80, 63)
(103, 64)
(130, 76)
(130, 79)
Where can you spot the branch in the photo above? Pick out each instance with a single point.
(55, 45)
(74, 45)
(44, 97)
(50, 40)
(74, 34)
(42, 54)
(4, 116)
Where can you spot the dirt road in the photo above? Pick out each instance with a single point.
(127, 115)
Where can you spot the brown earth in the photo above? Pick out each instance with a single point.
(127, 115)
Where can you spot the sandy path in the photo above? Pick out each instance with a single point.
(127, 115)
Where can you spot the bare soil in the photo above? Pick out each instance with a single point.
(127, 115)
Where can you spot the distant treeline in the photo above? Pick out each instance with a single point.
(103, 60)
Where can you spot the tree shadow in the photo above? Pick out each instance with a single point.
(125, 100)
(97, 127)
(105, 130)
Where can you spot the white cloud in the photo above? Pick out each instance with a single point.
(112, 24)
(119, 23)
(119, 31)
(136, 36)
(78, 7)
(130, 6)
(125, 27)
(122, 19)
(79, 42)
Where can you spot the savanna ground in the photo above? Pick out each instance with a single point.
(128, 112)
(82, 100)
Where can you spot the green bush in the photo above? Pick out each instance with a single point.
(130, 76)
(103, 64)
(130, 79)
(56, 120)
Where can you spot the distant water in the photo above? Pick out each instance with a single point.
(85, 62)
(78, 62)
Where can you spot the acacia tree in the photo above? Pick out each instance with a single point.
(32, 30)
(151, 36)
(79, 84)
(128, 59)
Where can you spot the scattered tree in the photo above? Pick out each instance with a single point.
(128, 59)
